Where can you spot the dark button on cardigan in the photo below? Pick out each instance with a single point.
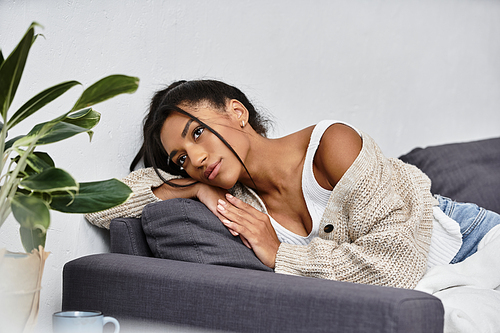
(328, 228)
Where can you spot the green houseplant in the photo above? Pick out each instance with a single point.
(31, 185)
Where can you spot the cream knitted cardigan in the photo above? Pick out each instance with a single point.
(381, 213)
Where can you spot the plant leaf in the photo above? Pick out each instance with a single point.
(54, 132)
(92, 197)
(1, 58)
(12, 69)
(61, 131)
(31, 212)
(33, 215)
(50, 180)
(86, 118)
(32, 238)
(37, 162)
(39, 101)
(60, 128)
(106, 88)
(11, 142)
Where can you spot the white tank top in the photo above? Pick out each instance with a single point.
(315, 196)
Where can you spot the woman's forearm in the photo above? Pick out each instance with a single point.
(142, 182)
(188, 189)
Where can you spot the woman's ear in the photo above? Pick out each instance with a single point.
(239, 111)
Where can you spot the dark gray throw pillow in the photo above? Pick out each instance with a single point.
(464, 172)
(186, 230)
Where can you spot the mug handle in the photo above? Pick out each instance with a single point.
(115, 322)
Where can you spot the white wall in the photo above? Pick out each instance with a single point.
(411, 73)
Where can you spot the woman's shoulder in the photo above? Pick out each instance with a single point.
(301, 136)
(342, 134)
(331, 129)
(338, 148)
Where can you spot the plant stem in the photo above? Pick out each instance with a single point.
(3, 136)
(9, 186)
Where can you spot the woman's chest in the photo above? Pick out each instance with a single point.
(292, 214)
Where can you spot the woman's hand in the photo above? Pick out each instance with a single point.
(252, 225)
(209, 196)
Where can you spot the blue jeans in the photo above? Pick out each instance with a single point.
(474, 221)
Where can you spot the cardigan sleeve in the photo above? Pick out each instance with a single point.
(142, 182)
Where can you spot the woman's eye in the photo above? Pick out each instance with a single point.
(181, 160)
(197, 132)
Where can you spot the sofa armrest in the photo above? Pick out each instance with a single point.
(127, 237)
(241, 300)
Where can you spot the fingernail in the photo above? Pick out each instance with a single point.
(220, 207)
(221, 202)
(226, 221)
(229, 195)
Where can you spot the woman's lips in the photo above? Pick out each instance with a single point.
(213, 170)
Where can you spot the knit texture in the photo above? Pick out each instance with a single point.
(381, 213)
(141, 182)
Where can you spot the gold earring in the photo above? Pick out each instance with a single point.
(242, 124)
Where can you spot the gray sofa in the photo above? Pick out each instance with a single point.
(146, 279)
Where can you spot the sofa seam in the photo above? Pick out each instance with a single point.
(187, 221)
(132, 239)
(147, 226)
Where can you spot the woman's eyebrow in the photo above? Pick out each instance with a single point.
(183, 134)
(170, 156)
(186, 128)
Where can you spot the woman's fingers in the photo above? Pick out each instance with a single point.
(234, 233)
(253, 226)
(233, 227)
(235, 210)
(240, 216)
(209, 196)
(230, 225)
(244, 240)
(240, 204)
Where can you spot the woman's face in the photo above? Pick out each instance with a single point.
(202, 154)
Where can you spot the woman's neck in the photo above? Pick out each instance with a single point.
(274, 164)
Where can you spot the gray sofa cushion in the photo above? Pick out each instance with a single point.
(184, 229)
(465, 172)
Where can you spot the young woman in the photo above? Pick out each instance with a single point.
(322, 202)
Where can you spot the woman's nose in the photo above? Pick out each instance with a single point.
(197, 157)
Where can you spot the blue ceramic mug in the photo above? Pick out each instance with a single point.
(81, 322)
